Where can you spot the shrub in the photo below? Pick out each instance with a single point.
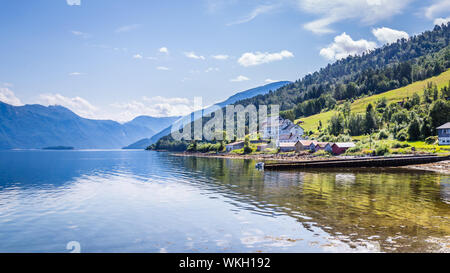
(322, 153)
(401, 151)
(353, 150)
(383, 135)
(238, 151)
(396, 145)
(402, 135)
(381, 150)
(325, 138)
(247, 148)
(431, 140)
(343, 138)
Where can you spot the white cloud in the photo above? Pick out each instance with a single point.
(127, 28)
(81, 34)
(221, 57)
(76, 74)
(269, 81)
(367, 11)
(257, 58)
(439, 7)
(440, 21)
(239, 79)
(164, 50)
(344, 46)
(155, 106)
(211, 69)
(124, 111)
(192, 55)
(163, 68)
(138, 56)
(77, 104)
(253, 14)
(388, 35)
(73, 2)
(8, 96)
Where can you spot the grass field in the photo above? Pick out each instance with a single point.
(396, 95)
(420, 146)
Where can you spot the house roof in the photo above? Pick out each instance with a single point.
(292, 125)
(235, 143)
(445, 126)
(283, 124)
(345, 144)
(287, 144)
(307, 142)
(322, 144)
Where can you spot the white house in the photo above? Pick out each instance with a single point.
(444, 134)
(283, 130)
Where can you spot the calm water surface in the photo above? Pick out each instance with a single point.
(137, 201)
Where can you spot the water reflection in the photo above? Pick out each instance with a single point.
(119, 201)
(401, 210)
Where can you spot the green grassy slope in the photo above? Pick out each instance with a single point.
(396, 95)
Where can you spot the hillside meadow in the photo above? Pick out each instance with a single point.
(359, 106)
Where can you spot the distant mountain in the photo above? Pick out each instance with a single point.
(140, 144)
(151, 124)
(37, 126)
(261, 90)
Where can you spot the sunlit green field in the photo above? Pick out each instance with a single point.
(359, 106)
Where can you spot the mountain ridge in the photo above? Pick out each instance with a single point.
(36, 126)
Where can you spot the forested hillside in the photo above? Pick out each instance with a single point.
(386, 68)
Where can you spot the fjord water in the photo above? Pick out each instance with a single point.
(138, 201)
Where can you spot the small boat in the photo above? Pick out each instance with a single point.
(259, 165)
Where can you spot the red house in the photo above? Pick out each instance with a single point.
(340, 148)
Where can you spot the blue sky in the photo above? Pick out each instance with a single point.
(117, 59)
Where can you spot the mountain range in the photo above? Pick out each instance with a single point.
(37, 126)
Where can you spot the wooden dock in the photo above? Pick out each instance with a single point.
(365, 162)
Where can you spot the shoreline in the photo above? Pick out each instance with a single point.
(442, 167)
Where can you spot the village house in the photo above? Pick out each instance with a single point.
(340, 148)
(291, 133)
(287, 146)
(290, 138)
(444, 134)
(283, 130)
(305, 145)
(323, 146)
(235, 146)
